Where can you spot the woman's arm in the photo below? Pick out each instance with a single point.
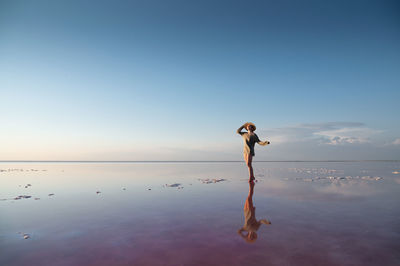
(262, 143)
(239, 131)
(265, 221)
(240, 233)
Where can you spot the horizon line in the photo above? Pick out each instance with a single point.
(180, 161)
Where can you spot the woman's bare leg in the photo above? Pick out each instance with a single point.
(248, 158)
(249, 200)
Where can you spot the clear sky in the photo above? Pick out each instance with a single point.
(173, 80)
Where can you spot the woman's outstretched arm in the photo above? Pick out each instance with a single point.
(262, 143)
(265, 221)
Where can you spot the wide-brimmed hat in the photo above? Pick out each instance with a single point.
(250, 124)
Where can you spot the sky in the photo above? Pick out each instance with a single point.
(173, 80)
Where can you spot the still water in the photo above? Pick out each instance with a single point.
(297, 213)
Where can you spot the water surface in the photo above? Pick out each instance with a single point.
(325, 213)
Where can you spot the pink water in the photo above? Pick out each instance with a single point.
(322, 214)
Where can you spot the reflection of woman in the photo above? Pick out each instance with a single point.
(251, 225)
(250, 138)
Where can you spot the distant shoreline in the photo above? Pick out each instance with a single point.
(288, 161)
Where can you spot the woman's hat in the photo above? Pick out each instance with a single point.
(250, 124)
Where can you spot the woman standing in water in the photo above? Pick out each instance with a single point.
(250, 138)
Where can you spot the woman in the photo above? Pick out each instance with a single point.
(250, 138)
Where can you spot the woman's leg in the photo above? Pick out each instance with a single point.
(249, 201)
(248, 158)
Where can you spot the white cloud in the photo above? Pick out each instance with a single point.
(332, 133)
(347, 135)
(396, 142)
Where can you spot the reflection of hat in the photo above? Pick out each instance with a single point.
(250, 124)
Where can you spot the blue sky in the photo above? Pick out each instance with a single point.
(173, 80)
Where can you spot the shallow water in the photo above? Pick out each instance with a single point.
(325, 213)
